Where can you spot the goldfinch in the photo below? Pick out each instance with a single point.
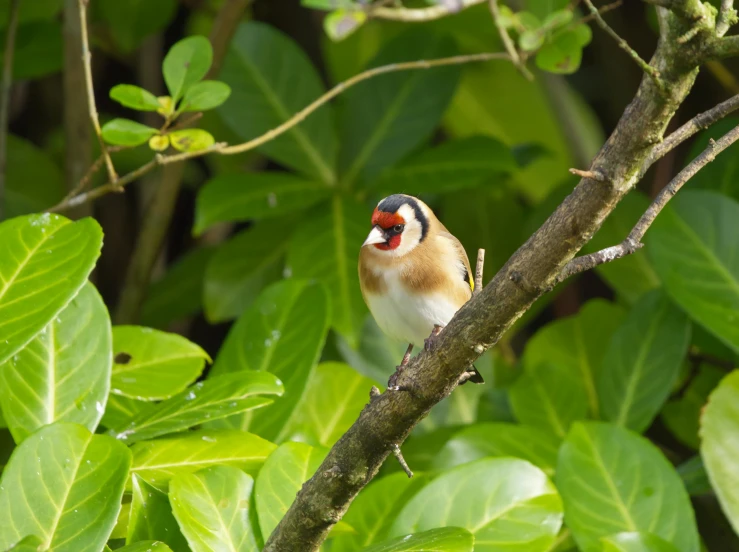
(414, 275)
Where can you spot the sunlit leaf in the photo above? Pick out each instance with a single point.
(120, 410)
(283, 332)
(187, 62)
(44, 261)
(124, 132)
(445, 539)
(153, 365)
(72, 483)
(720, 445)
(29, 544)
(191, 139)
(205, 95)
(63, 374)
(503, 502)
(284, 472)
(159, 143)
(613, 481)
(134, 97)
(213, 399)
(563, 52)
(692, 245)
(151, 517)
(643, 361)
(146, 546)
(636, 542)
(159, 460)
(341, 23)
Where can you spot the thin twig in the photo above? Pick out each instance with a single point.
(401, 460)
(595, 175)
(417, 15)
(87, 61)
(478, 271)
(601, 11)
(507, 41)
(633, 243)
(222, 149)
(726, 17)
(184, 123)
(648, 69)
(5, 89)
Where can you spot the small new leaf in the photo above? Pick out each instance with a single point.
(166, 106)
(341, 23)
(191, 139)
(205, 95)
(159, 143)
(124, 132)
(530, 41)
(134, 97)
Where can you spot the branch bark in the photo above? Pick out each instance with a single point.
(433, 374)
(417, 15)
(5, 89)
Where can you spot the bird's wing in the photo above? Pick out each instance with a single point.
(465, 271)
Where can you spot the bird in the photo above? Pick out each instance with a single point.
(414, 275)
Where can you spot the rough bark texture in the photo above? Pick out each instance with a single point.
(432, 375)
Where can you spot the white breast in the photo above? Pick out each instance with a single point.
(406, 316)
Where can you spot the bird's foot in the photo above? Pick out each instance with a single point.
(465, 377)
(430, 342)
(392, 383)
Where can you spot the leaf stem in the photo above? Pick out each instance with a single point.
(507, 41)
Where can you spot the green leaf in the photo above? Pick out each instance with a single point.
(327, 5)
(153, 365)
(376, 353)
(326, 248)
(578, 343)
(120, 409)
(191, 139)
(132, 21)
(216, 398)
(254, 196)
(243, 266)
(29, 544)
(643, 362)
(503, 502)
(284, 472)
(372, 513)
(178, 294)
(613, 481)
(124, 132)
(71, 484)
(39, 48)
(44, 261)
(636, 542)
(444, 539)
(333, 398)
(33, 181)
(500, 439)
(694, 476)
(341, 23)
(558, 18)
(720, 445)
(452, 166)
(255, 69)
(530, 41)
(212, 509)
(134, 97)
(388, 116)
(145, 546)
(30, 11)
(186, 63)
(63, 374)
(550, 397)
(151, 517)
(692, 246)
(722, 174)
(563, 53)
(205, 95)
(633, 275)
(283, 332)
(159, 460)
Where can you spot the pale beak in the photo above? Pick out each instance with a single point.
(375, 236)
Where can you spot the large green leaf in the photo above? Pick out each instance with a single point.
(33, 181)
(550, 397)
(636, 542)
(505, 503)
(39, 46)
(257, 68)
(243, 266)
(119, 410)
(452, 166)
(63, 485)
(159, 460)
(215, 398)
(720, 445)
(578, 343)
(253, 196)
(722, 174)
(212, 508)
(692, 246)
(151, 517)
(386, 117)
(44, 261)
(333, 398)
(283, 333)
(144, 546)
(633, 275)
(500, 439)
(153, 365)
(63, 374)
(445, 539)
(131, 21)
(30, 11)
(376, 354)
(643, 362)
(29, 544)
(187, 62)
(284, 472)
(613, 481)
(327, 248)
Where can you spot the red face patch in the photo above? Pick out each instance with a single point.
(386, 220)
(392, 243)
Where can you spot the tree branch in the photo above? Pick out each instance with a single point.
(726, 47)
(508, 44)
(5, 89)
(478, 271)
(632, 243)
(87, 62)
(417, 15)
(726, 17)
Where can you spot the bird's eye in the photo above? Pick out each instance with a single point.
(398, 228)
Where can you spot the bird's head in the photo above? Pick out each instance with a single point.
(399, 223)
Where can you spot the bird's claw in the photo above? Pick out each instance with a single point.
(430, 342)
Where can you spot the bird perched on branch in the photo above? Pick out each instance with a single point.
(414, 274)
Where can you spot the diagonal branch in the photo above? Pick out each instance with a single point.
(726, 17)
(417, 15)
(633, 243)
(508, 43)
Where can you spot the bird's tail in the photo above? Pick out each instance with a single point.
(476, 378)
